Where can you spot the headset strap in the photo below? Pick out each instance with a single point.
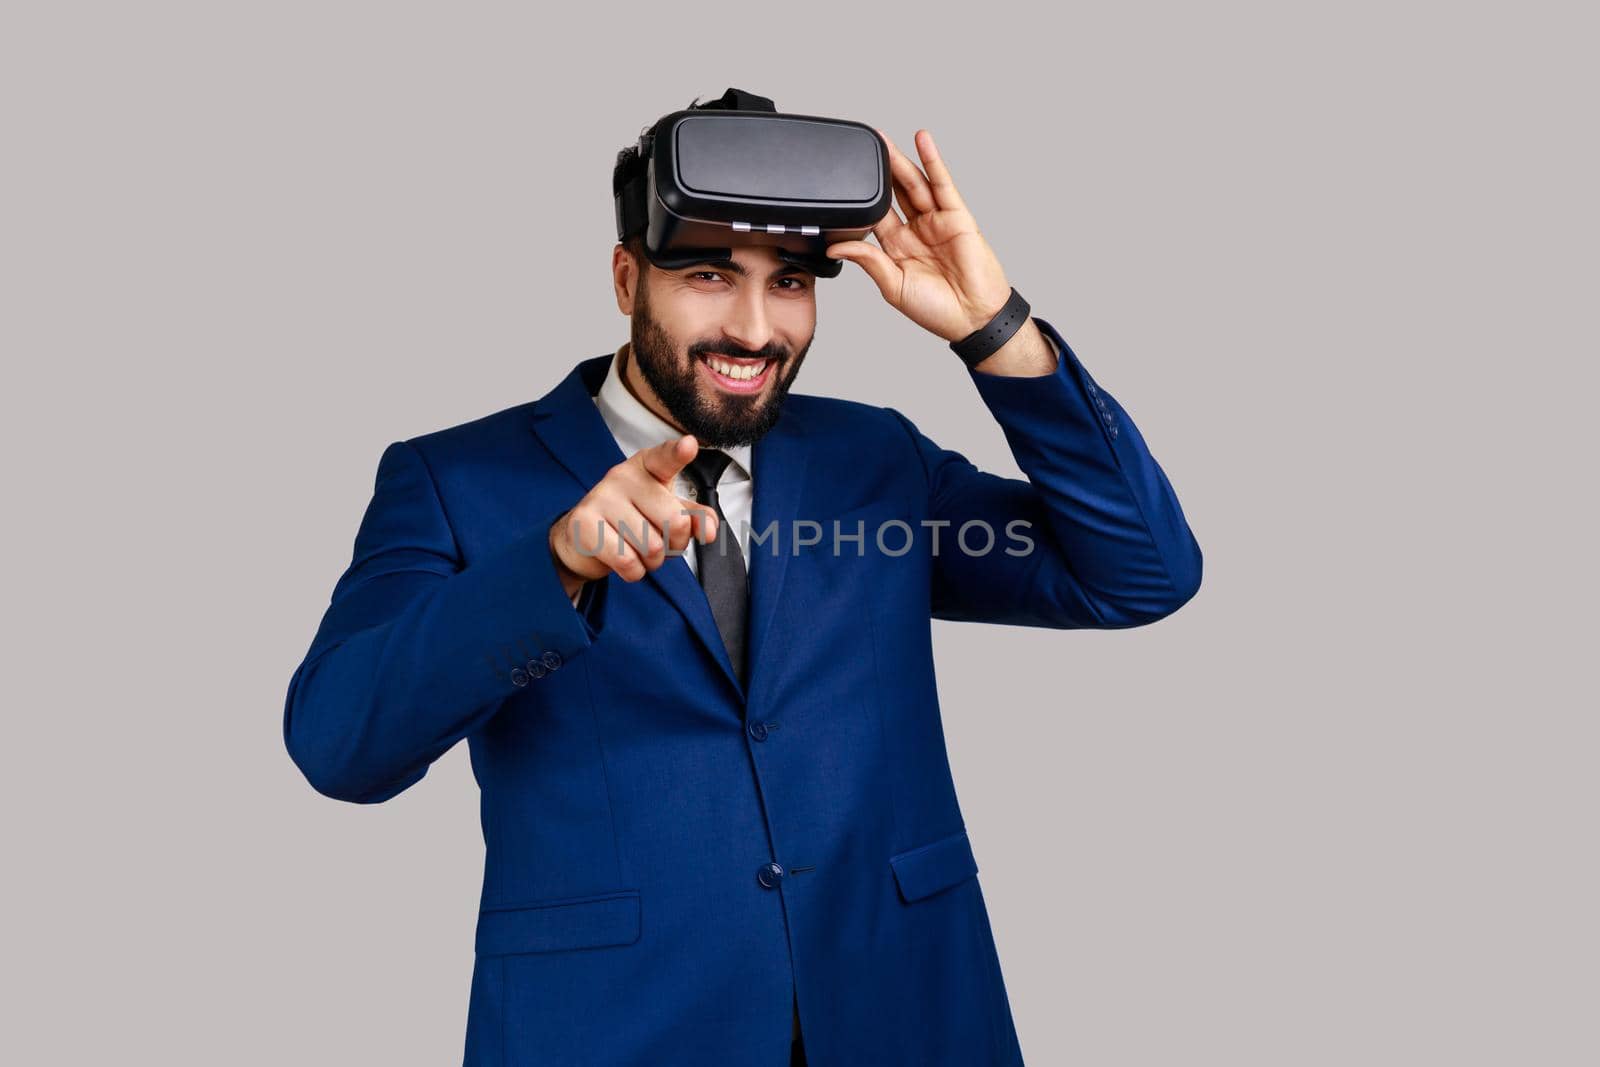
(739, 100)
(631, 212)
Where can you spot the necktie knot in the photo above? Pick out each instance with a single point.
(705, 470)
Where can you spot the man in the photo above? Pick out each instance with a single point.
(717, 806)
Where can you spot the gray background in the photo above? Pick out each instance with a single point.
(1339, 265)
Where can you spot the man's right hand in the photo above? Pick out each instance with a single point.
(635, 494)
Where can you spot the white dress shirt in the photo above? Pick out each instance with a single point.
(636, 427)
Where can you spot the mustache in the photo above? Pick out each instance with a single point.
(773, 352)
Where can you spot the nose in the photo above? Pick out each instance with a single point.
(748, 323)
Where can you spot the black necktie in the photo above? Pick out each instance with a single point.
(721, 563)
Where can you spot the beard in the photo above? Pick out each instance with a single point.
(721, 420)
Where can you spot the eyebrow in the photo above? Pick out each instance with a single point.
(732, 267)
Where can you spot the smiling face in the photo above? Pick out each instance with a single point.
(715, 346)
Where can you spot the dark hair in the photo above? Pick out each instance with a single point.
(630, 162)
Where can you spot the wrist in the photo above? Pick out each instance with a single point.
(984, 317)
(995, 333)
(1027, 354)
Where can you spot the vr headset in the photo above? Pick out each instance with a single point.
(736, 172)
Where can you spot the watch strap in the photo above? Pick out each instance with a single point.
(983, 342)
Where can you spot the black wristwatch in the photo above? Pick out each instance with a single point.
(983, 342)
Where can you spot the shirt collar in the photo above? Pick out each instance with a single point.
(636, 427)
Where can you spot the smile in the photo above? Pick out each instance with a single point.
(737, 375)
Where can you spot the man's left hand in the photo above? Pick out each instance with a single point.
(933, 266)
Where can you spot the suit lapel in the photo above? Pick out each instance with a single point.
(780, 462)
(571, 427)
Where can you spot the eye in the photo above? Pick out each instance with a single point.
(799, 284)
(705, 273)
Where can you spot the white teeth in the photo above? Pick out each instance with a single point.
(734, 370)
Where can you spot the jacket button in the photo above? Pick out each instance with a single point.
(758, 730)
(536, 669)
(770, 875)
(519, 676)
(551, 659)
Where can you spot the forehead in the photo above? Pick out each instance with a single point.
(752, 261)
(757, 257)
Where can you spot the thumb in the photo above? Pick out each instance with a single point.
(872, 259)
(665, 460)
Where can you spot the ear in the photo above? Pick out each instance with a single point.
(624, 278)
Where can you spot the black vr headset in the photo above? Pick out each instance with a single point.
(735, 172)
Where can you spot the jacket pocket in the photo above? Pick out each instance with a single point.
(925, 870)
(557, 924)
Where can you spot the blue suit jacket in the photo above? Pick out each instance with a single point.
(670, 858)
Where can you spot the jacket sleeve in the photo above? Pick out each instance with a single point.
(1105, 543)
(415, 650)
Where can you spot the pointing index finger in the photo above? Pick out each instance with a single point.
(665, 460)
